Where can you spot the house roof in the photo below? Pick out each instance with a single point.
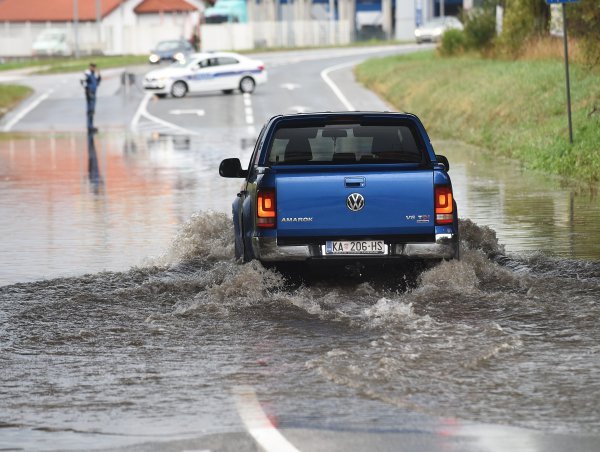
(163, 6)
(62, 10)
(52, 11)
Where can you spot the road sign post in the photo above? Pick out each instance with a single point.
(566, 46)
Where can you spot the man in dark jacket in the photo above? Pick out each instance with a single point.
(90, 82)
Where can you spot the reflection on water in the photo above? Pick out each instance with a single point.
(71, 204)
(93, 168)
(529, 211)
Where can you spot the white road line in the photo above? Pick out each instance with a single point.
(325, 76)
(169, 124)
(257, 423)
(187, 112)
(142, 112)
(248, 111)
(25, 111)
(138, 113)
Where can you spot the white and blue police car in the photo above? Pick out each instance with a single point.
(201, 72)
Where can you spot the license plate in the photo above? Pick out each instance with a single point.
(359, 247)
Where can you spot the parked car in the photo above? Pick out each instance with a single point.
(51, 42)
(218, 71)
(433, 30)
(344, 186)
(170, 51)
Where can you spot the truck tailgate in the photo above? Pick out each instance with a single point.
(314, 204)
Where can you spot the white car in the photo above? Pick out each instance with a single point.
(200, 72)
(435, 28)
(50, 42)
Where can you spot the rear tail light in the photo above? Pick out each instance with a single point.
(444, 207)
(261, 67)
(266, 210)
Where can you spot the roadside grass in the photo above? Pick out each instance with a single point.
(54, 65)
(514, 108)
(11, 95)
(58, 65)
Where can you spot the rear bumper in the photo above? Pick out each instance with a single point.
(445, 247)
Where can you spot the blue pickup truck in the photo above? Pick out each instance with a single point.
(342, 186)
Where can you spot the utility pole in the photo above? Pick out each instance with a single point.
(99, 20)
(566, 48)
(331, 21)
(442, 8)
(76, 26)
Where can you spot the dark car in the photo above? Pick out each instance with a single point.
(173, 50)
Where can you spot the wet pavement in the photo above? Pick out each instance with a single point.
(69, 206)
(168, 344)
(507, 336)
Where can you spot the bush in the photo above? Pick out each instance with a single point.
(452, 43)
(523, 19)
(480, 27)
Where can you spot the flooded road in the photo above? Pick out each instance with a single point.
(157, 352)
(68, 209)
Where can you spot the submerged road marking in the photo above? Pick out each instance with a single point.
(138, 113)
(25, 111)
(142, 112)
(249, 112)
(325, 76)
(257, 423)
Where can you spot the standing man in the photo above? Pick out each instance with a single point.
(90, 82)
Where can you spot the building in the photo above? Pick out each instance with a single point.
(96, 26)
(135, 26)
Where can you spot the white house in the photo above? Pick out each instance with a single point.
(107, 26)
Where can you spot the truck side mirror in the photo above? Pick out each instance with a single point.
(232, 168)
(443, 160)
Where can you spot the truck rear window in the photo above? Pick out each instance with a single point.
(346, 144)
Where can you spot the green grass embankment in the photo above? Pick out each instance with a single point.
(513, 108)
(11, 95)
(61, 64)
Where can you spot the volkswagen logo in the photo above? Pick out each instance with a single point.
(355, 202)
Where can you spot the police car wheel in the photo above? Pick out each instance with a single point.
(179, 89)
(247, 85)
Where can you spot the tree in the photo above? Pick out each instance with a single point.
(523, 19)
(583, 20)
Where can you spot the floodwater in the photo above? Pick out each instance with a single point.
(506, 336)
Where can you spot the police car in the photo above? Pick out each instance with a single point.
(200, 72)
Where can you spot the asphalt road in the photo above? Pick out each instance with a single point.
(295, 85)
